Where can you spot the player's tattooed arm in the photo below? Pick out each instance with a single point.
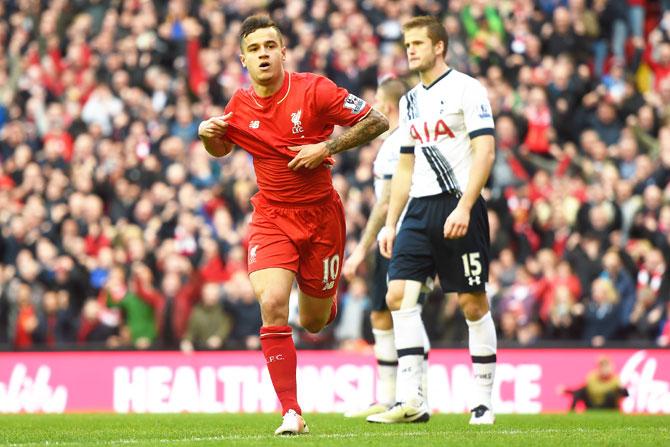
(311, 156)
(367, 129)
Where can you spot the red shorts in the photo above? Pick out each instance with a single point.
(306, 239)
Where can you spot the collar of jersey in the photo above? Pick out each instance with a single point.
(282, 93)
(442, 76)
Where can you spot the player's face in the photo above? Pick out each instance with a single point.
(422, 54)
(263, 55)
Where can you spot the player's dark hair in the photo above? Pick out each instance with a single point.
(393, 88)
(435, 29)
(256, 22)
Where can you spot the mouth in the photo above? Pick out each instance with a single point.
(264, 65)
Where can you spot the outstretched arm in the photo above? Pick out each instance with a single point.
(312, 155)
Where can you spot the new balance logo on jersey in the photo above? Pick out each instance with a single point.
(252, 254)
(255, 124)
(295, 119)
(438, 130)
(328, 285)
(472, 280)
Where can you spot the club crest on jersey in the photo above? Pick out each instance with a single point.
(252, 254)
(295, 119)
(354, 103)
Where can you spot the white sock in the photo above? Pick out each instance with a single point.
(387, 365)
(483, 344)
(407, 326)
(424, 371)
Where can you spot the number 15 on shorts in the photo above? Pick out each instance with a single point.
(331, 267)
(472, 268)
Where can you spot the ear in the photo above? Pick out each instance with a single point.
(439, 48)
(283, 53)
(243, 60)
(384, 107)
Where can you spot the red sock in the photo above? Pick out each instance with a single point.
(281, 359)
(333, 311)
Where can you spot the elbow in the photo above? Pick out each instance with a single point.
(378, 122)
(383, 125)
(218, 150)
(487, 150)
(384, 206)
(491, 156)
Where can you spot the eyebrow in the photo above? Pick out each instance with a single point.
(265, 42)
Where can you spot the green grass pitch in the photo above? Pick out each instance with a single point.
(327, 430)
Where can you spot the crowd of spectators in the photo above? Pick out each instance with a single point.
(118, 230)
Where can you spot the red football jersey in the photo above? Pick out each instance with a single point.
(303, 111)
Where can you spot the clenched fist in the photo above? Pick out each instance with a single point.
(212, 133)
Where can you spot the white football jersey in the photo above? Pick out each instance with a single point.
(437, 123)
(386, 161)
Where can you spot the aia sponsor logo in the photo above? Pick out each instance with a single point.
(425, 135)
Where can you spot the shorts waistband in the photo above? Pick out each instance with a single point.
(453, 193)
(317, 202)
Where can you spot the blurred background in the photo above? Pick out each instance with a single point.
(118, 231)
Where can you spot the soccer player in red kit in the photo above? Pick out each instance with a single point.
(297, 229)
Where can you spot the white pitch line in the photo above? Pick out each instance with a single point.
(493, 431)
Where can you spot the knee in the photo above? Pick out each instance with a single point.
(473, 313)
(381, 319)
(312, 324)
(274, 307)
(475, 310)
(394, 295)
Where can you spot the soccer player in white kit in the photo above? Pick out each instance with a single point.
(387, 100)
(444, 163)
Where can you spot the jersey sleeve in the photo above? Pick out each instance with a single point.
(405, 138)
(477, 110)
(387, 158)
(232, 134)
(337, 105)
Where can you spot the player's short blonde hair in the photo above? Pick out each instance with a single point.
(435, 29)
(393, 89)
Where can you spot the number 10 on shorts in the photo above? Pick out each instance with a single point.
(472, 268)
(331, 267)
